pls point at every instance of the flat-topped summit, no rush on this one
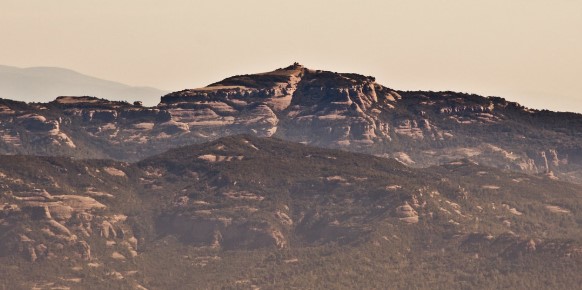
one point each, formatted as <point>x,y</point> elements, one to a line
<point>261,80</point>
<point>281,87</point>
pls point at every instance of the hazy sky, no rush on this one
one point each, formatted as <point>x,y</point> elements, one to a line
<point>527,51</point>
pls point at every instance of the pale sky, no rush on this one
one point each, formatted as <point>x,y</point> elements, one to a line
<point>526,51</point>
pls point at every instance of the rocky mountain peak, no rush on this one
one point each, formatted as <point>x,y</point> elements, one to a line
<point>328,109</point>
<point>281,87</point>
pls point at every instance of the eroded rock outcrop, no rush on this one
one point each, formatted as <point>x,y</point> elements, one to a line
<point>407,214</point>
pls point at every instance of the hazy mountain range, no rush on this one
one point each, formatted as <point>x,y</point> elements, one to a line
<point>294,178</point>
<point>46,83</point>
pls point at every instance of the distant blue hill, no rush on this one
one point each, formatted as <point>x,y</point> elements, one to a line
<point>42,84</point>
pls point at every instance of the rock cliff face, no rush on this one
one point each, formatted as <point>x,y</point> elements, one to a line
<point>334,110</point>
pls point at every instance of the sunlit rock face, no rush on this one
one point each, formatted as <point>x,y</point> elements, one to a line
<point>335,110</point>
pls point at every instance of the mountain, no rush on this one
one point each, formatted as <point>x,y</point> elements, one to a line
<point>47,83</point>
<point>334,110</point>
<point>245,212</point>
<point>295,178</point>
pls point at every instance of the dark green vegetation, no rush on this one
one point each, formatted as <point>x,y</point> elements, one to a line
<point>243,212</point>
